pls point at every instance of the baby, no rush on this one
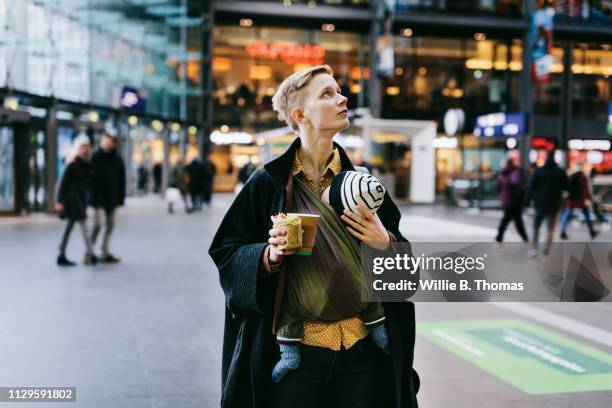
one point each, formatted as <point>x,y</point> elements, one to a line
<point>350,188</point>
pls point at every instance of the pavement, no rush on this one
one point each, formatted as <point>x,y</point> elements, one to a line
<point>147,332</point>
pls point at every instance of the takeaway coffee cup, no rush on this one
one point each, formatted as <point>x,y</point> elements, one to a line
<point>309,228</point>
<point>293,225</point>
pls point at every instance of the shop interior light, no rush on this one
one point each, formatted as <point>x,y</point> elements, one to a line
<point>312,4</point>
<point>260,72</point>
<point>224,138</point>
<point>399,71</point>
<point>287,3</point>
<point>270,91</point>
<point>511,143</point>
<point>224,128</point>
<point>11,103</point>
<point>589,144</point>
<point>595,157</point>
<point>328,28</point>
<point>220,64</point>
<point>444,143</point>
<point>478,74</point>
<point>64,115</point>
<point>422,71</point>
<point>176,127</point>
<point>36,112</point>
<point>300,67</point>
<point>246,22</point>
<point>480,36</point>
<point>94,117</point>
<point>393,90</point>
<point>192,130</point>
<point>355,88</point>
<point>406,32</point>
<point>133,120</point>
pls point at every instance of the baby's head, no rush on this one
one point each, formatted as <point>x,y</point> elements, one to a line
<point>350,188</point>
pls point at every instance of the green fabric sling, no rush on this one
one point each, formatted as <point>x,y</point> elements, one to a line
<point>329,285</point>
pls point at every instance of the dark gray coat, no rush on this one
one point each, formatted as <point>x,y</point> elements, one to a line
<point>249,348</point>
<point>73,190</point>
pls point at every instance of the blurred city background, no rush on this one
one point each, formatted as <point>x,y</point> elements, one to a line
<point>441,94</point>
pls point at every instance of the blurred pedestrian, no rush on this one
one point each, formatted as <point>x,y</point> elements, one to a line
<point>72,197</point>
<point>195,173</point>
<point>208,177</point>
<point>597,198</point>
<point>177,182</point>
<point>511,193</point>
<point>108,192</point>
<point>245,172</point>
<point>157,177</point>
<point>545,189</point>
<point>579,197</point>
<point>142,179</point>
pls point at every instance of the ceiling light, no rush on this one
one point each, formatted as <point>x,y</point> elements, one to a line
<point>406,32</point>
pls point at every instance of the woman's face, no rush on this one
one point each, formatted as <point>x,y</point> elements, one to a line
<point>325,106</point>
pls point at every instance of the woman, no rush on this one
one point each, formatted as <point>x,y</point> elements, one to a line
<point>262,283</point>
<point>511,192</point>
<point>579,197</point>
<point>72,198</point>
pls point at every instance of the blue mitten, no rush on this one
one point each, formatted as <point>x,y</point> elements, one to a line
<point>290,360</point>
<point>379,335</point>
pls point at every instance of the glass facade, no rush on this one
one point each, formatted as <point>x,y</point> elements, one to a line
<point>433,75</point>
<point>498,7</point>
<point>87,52</point>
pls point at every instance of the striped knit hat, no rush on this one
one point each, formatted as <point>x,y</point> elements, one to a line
<point>350,188</point>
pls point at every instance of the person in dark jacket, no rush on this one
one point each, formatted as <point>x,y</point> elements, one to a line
<point>511,195</point>
<point>197,176</point>
<point>545,189</point>
<point>256,275</point>
<point>579,197</point>
<point>71,202</point>
<point>108,191</point>
<point>208,176</point>
<point>157,177</point>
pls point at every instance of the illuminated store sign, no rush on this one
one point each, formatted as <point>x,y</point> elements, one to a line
<point>289,53</point>
<point>224,138</point>
<point>501,125</point>
<point>589,144</point>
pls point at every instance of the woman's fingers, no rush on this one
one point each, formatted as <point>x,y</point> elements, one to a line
<point>276,232</point>
<point>276,241</point>
<point>356,234</point>
<point>364,212</point>
<point>353,224</point>
<point>354,216</point>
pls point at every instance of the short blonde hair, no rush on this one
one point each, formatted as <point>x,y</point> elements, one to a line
<point>288,95</point>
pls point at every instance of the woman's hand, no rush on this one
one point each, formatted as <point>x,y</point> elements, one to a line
<point>58,207</point>
<point>367,228</point>
<point>277,238</point>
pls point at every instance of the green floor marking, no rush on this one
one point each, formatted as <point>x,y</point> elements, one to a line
<point>529,357</point>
